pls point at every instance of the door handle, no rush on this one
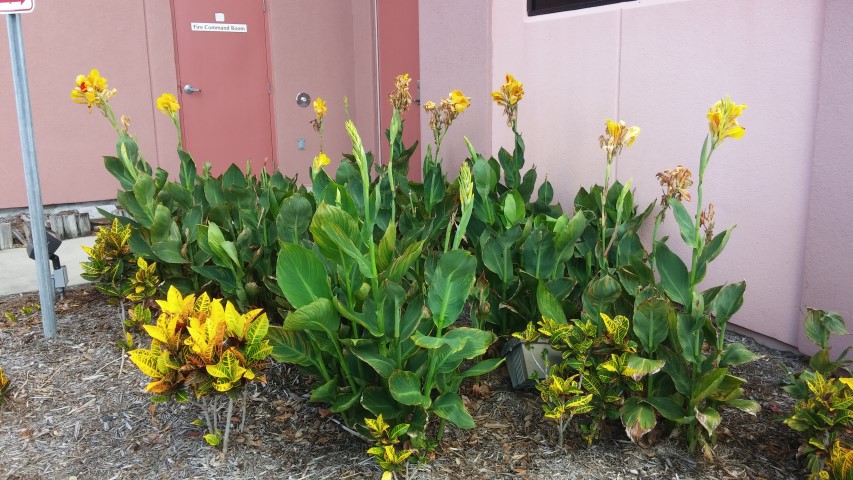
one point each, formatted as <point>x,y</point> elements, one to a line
<point>189,89</point>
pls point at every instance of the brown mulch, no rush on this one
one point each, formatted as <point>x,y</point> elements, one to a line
<point>77,410</point>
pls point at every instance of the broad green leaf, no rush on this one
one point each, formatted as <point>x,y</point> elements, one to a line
<point>345,244</point>
<point>222,249</point>
<point>405,387</point>
<point>294,217</point>
<point>474,343</point>
<point>708,384</point>
<point>727,302</point>
<point>676,369</point>
<point>667,408</point>
<point>548,304</point>
<point>539,253</point>
<point>686,224</point>
<point>325,393</point>
<point>331,215</point>
<point>673,274</point>
<point>708,418</point>
<point>223,277</point>
<point>640,367</point>
<point>367,351</point>
<point>689,331</point>
<point>301,275</point>
<point>379,402</point>
<point>163,228</point>
<point>345,401</point>
<point>118,169</point>
<point>319,315</point>
<point>820,324</point>
<point>400,265</point>
<point>482,367</point>
<point>736,354</point>
<point>638,418</point>
<point>651,322</point>
<point>450,286</point>
<point>387,247</point>
<point>169,251</point>
<point>749,406</point>
<point>143,192</point>
<point>449,406</point>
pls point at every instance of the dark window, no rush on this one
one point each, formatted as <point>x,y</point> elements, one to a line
<point>541,7</point>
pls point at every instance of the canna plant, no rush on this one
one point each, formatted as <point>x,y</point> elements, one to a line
<point>215,234</point>
<point>685,327</point>
<point>200,347</point>
<point>517,242</point>
<point>375,316</point>
<point>823,414</point>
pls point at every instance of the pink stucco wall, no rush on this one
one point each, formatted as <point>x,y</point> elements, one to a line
<point>62,40</point>
<point>660,65</point>
<point>828,266</point>
<point>455,49</point>
<point>323,48</point>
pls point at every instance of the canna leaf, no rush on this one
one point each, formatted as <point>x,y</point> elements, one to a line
<point>673,274</point>
<point>319,315</point>
<point>405,387</point>
<point>301,275</point>
<point>450,286</point>
<point>686,224</point>
<point>449,406</point>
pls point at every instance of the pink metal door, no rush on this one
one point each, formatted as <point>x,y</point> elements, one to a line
<point>223,75</point>
<point>397,22</point>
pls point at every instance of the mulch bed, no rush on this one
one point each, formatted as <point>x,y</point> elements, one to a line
<point>77,410</point>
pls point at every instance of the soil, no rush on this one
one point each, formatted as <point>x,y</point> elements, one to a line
<point>76,409</point>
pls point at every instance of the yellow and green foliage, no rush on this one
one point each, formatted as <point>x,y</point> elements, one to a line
<point>110,260</point>
<point>4,385</point>
<point>823,413</point>
<point>839,465</point>
<point>200,345</point>
<point>388,455</point>
<point>599,371</point>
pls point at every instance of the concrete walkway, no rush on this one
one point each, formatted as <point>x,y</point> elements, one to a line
<point>18,272</point>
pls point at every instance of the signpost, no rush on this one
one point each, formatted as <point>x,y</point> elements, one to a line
<point>12,9</point>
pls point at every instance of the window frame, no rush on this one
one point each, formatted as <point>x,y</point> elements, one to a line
<point>567,5</point>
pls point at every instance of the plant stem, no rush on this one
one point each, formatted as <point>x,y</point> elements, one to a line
<point>228,414</point>
<point>440,434</point>
<point>245,401</point>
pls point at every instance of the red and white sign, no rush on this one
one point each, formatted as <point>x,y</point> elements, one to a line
<point>16,6</point>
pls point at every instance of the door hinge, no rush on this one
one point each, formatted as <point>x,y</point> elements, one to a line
<point>265,5</point>
<point>269,88</point>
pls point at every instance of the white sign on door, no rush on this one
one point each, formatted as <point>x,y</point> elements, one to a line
<point>16,6</point>
<point>219,27</point>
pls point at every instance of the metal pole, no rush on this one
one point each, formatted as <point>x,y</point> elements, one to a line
<point>28,151</point>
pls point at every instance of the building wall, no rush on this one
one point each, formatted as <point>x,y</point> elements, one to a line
<point>62,40</point>
<point>660,64</point>
<point>455,49</point>
<point>828,266</point>
<point>322,47</point>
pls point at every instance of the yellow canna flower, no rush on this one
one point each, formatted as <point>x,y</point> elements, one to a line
<point>459,101</point>
<point>320,107</point>
<point>168,104</point>
<point>722,120</point>
<point>508,96</point>
<point>320,161</point>
<point>91,89</point>
<point>616,137</point>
